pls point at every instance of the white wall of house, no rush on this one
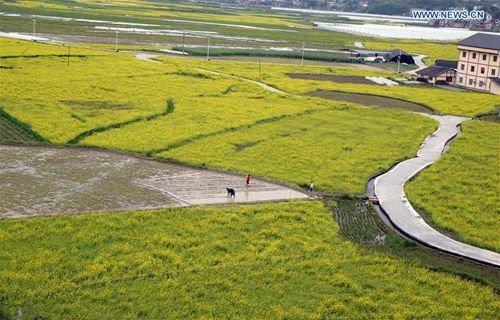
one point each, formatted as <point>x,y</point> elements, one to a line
<point>476,66</point>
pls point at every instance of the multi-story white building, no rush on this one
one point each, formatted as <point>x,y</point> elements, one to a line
<point>479,63</point>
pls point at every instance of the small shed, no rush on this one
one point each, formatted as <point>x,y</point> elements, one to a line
<point>437,75</point>
<point>401,56</point>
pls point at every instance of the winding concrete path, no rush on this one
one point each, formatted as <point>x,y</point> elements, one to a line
<point>389,189</point>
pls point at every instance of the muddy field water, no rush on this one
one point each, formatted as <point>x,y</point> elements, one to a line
<point>44,181</point>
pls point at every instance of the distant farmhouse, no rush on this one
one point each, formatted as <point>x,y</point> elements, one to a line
<point>477,68</point>
<point>443,72</point>
<point>479,63</point>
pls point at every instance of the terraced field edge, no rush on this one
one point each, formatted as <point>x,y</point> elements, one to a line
<point>13,130</point>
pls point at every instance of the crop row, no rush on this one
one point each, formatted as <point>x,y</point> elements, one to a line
<point>321,56</point>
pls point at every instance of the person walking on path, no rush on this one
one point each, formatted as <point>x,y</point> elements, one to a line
<point>311,186</point>
<point>247,179</point>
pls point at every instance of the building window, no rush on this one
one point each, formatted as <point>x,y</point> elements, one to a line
<point>462,66</point>
<point>464,54</point>
<point>495,58</point>
<point>471,82</point>
<point>472,68</point>
<point>430,78</point>
<point>493,72</point>
<point>473,55</point>
<point>481,84</point>
<point>485,57</point>
<point>461,80</point>
<point>482,70</point>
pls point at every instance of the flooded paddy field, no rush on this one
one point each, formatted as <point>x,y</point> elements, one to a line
<point>48,180</point>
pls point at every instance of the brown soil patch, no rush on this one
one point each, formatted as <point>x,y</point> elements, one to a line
<point>372,100</point>
<point>332,78</point>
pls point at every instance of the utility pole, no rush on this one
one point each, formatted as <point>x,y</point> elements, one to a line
<point>399,61</point>
<point>19,313</point>
<point>303,48</point>
<point>69,53</point>
<point>183,41</point>
<point>116,40</point>
<point>34,27</point>
<point>260,71</point>
<point>208,49</point>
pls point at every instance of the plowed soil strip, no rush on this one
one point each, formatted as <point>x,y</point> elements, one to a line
<point>367,99</point>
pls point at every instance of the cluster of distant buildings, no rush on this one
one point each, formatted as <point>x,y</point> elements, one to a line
<point>491,19</point>
<point>477,68</point>
<point>486,24</point>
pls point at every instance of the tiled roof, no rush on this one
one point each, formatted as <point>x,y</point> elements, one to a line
<point>446,63</point>
<point>482,40</point>
<point>433,71</point>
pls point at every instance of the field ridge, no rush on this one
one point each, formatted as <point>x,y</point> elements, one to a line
<point>88,133</point>
<point>14,131</point>
<point>198,137</point>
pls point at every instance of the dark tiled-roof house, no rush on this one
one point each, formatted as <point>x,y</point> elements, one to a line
<point>437,75</point>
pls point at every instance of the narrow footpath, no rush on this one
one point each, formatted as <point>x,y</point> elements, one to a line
<point>419,62</point>
<point>149,57</point>
<point>389,189</point>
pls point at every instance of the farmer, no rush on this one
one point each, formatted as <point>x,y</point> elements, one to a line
<point>247,179</point>
<point>311,186</point>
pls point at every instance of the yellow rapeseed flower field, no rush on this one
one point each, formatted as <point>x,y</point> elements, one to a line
<point>341,146</point>
<point>262,262</point>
